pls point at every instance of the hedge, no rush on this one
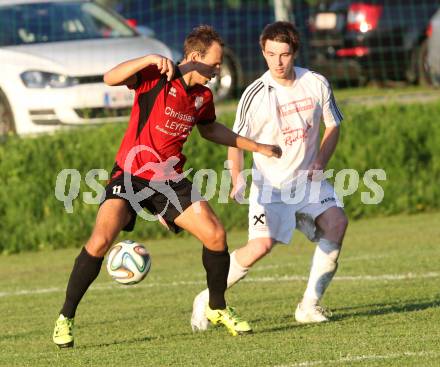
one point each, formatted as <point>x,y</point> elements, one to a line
<point>403,140</point>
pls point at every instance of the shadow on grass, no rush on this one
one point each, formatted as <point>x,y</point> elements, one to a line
<point>25,334</point>
<point>118,342</point>
<point>376,309</point>
<point>287,322</point>
<point>283,323</point>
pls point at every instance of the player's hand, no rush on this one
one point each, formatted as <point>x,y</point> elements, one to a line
<point>164,65</point>
<point>316,171</point>
<point>238,189</point>
<point>270,150</point>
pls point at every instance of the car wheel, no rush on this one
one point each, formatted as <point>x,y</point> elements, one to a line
<point>418,70</point>
<point>224,85</point>
<point>423,65</point>
<point>7,125</point>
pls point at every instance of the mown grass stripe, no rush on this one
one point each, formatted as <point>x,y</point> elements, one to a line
<point>281,278</point>
<point>362,358</point>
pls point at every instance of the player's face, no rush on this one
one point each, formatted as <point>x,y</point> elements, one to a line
<point>279,58</point>
<point>208,66</point>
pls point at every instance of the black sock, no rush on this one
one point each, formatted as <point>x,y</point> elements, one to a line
<point>216,264</point>
<point>84,272</point>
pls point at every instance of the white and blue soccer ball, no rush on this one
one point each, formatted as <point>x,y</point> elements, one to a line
<point>128,262</point>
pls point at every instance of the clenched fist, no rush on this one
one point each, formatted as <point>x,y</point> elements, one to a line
<point>270,150</point>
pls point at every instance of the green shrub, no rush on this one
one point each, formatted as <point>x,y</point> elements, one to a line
<point>402,140</point>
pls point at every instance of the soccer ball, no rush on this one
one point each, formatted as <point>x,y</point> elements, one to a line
<point>128,262</point>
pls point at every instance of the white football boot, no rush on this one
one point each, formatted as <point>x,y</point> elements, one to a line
<point>199,321</point>
<point>310,314</point>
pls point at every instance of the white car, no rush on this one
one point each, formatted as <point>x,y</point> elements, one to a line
<point>53,55</point>
<point>434,49</point>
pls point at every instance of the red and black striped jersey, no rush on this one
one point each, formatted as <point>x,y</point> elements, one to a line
<point>162,117</point>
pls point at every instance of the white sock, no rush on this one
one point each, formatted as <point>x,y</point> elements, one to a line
<point>236,271</point>
<point>324,266</point>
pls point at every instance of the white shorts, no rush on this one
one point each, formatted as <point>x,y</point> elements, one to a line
<point>277,218</point>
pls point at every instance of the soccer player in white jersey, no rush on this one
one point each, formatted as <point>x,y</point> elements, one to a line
<point>285,106</point>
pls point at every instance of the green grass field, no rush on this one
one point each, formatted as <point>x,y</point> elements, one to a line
<point>385,302</point>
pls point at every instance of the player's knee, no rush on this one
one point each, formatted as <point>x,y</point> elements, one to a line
<point>98,245</point>
<point>340,224</point>
<point>216,238</point>
<point>335,230</point>
<point>262,247</point>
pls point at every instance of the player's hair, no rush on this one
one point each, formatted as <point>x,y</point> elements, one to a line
<point>200,39</point>
<point>284,32</point>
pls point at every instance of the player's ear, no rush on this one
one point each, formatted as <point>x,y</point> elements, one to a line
<point>194,56</point>
<point>262,45</point>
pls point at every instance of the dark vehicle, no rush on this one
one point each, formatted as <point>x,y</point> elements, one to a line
<point>433,34</point>
<point>239,22</point>
<point>357,41</point>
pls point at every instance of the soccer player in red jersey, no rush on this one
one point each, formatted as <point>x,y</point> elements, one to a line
<point>169,101</point>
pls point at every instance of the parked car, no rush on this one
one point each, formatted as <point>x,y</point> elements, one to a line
<point>53,55</point>
<point>371,39</point>
<point>239,22</point>
<point>433,34</point>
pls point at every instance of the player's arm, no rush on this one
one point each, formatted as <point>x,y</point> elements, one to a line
<point>236,165</point>
<point>125,73</point>
<point>220,134</point>
<point>327,147</point>
<point>332,118</point>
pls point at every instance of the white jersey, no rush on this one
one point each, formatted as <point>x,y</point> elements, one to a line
<point>270,113</point>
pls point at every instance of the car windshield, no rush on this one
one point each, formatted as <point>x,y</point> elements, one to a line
<point>58,21</point>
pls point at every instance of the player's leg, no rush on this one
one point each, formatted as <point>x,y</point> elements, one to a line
<point>112,216</point>
<point>268,224</point>
<point>332,223</point>
<point>243,258</point>
<point>253,251</point>
<point>201,221</point>
<point>265,220</point>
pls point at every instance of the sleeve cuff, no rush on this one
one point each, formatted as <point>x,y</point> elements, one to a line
<point>206,122</point>
<point>138,81</point>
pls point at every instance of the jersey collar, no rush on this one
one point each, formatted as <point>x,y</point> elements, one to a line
<point>269,82</point>
<point>178,75</point>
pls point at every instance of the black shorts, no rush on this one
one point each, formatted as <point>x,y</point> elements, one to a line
<point>166,200</point>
